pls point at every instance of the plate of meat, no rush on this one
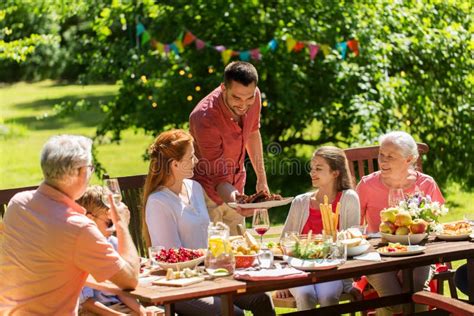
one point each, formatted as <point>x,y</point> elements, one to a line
<point>261,199</point>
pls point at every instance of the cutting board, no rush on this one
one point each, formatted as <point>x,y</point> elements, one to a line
<point>178,282</point>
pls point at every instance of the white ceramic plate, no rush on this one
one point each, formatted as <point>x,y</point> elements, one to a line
<point>358,250</point>
<point>403,239</point>
<point>181,265</point>
<point>312,264</point>
<point>267,204</point>
<point>452,237</point>
<point>414,251</point>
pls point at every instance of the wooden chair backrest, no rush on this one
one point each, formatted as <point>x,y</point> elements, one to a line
<point>7,194</point>
<point>363,160</point>
<point>132,192</point>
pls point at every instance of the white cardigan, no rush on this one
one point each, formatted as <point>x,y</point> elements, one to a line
<point>299,211</point>
<point>349,216</point>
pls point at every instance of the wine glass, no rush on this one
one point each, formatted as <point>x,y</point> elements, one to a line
<point>395,196</point>
<point>261,222</point>
<point>111,186</point>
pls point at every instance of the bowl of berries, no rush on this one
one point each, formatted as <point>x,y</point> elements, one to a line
<point>180,258</point>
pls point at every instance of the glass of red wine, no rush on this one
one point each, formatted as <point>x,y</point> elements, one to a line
<point>261,222</point>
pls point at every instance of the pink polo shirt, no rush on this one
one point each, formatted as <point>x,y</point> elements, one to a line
<point>49,249</point>
<point>373,196</point>
<point>220,142</point>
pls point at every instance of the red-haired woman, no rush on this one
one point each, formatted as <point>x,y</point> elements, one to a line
<point>175,215</point>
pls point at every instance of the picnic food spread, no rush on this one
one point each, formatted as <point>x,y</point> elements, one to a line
<point>262,196</point>
<point>457,228</point>
<point>309,248</point>
<point>393,247</point>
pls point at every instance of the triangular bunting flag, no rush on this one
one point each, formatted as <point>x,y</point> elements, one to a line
<point>255,53</point>
<point>167,48</point>
<point>160,47</point>
<point>326,49</point>
<point>220,48</point>
<point>140,29</point>
<point>174,48</point>
<point>264,49</point>
<point>273,44</point>
<point>179,45</point>
<point>342,48</point>
<point>298,46</point>
<point>245,56</point>
<point>188,38</point>
<point>353,46</point>
<point>153,43</point>
<point>200,44</point>
<point>313,51</point>
<point>145,37</point>
<point>290,43</point>
<point>226,54</point>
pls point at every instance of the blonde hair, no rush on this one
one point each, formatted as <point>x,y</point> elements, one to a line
<point>92,201</point>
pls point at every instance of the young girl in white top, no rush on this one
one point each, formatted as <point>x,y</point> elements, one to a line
<point>175,215</point>
<point>331,176</point>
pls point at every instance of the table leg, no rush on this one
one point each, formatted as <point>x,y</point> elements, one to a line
<point>169,309</point>
<point>470,278</point>
<point>407,277</point>
<point>227,305</point>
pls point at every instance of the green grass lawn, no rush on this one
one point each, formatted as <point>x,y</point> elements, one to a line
<point>26,122</point>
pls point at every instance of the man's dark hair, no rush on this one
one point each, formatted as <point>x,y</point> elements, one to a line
<point>240,71</point>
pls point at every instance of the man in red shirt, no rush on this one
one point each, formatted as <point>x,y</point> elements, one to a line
<point>225,126</point>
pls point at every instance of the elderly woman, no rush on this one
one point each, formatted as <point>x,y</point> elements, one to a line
<point>50,246</point>
<point>397,160</point>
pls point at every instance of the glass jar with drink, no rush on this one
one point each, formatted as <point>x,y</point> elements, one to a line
<point>219,255</point>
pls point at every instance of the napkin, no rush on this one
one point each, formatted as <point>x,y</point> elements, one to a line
<point>269,274</point>
<point>370,256</point>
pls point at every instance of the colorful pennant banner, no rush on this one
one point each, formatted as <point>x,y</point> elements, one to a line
<point>292,45</point>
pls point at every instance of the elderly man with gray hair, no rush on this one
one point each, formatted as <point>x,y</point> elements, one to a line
<point>50,246</point>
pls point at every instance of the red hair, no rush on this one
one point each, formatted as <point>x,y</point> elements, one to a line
<point>168,146</point>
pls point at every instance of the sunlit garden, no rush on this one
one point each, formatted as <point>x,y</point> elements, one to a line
<point>330,73</point>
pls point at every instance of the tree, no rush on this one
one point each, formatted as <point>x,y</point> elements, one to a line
<point>414,73</point>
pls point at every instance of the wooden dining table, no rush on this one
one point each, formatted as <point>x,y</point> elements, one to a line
<point>227,288</point>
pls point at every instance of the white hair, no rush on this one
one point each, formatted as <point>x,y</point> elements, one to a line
<point>62,155</point>
<point>402,140</point>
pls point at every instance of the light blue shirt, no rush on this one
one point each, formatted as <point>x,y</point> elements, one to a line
<point>172,223</point>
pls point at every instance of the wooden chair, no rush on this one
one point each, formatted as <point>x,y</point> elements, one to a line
<point>132,192</point>
<point>363,161</point>
<point>450,305</point>
<point>7,194</point>
<point>290,302</point>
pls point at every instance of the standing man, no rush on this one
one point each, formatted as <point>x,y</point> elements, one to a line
<point>225,126</point>
<point>50,246</point>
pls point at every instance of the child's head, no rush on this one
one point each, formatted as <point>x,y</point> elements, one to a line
<point>329,166</point>
<point>96,209</point>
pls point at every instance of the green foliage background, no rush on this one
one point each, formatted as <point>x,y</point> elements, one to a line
<point>414,72</point>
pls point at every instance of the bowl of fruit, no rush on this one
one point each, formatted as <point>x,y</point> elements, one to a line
<point>180,258</point>
<point>244,261</point>
<point>245,251</point>
<point>398,227</point>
